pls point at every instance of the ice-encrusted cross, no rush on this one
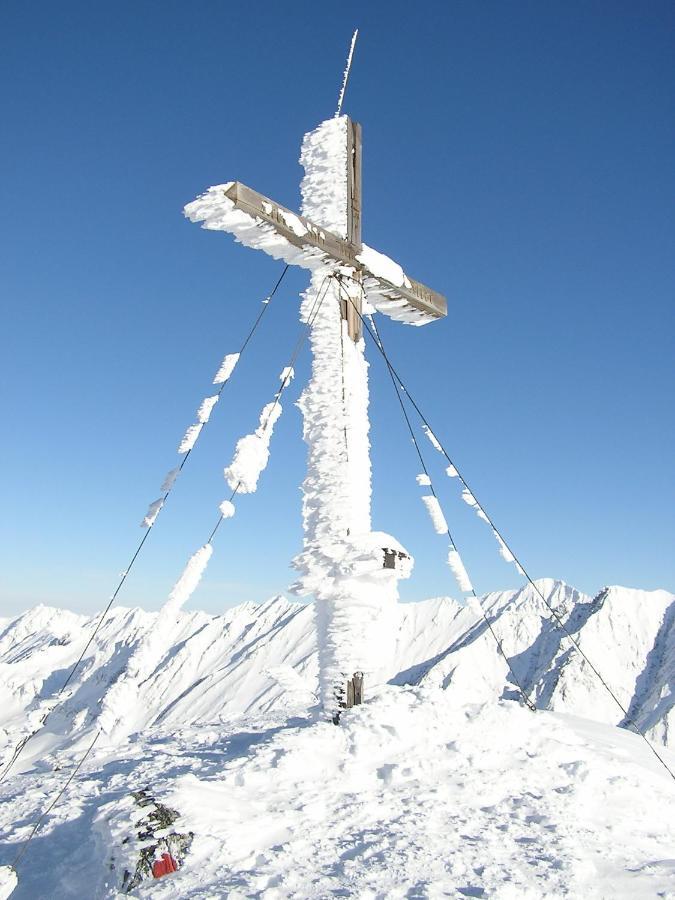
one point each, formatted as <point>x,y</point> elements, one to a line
<point>261,223</point>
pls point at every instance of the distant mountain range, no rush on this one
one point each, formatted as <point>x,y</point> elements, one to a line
<point>256,658</point>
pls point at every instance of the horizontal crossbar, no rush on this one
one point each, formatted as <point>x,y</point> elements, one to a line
<point>302,233</point>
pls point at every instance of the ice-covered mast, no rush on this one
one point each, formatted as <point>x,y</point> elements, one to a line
<point>351,570</point>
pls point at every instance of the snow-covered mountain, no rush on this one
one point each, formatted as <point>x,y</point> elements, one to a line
<point>438,786</point>
<point>255,659</point>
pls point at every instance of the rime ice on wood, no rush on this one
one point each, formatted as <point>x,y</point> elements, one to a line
<point>352,571</point>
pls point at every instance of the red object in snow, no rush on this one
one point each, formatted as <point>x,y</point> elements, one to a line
<point>164,866</point>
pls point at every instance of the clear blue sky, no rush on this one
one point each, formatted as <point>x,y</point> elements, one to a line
<point>518,157</point>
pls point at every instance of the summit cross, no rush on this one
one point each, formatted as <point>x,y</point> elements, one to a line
<point>351,571</point>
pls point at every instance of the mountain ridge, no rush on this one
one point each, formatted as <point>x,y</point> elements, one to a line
<point>258,658</point>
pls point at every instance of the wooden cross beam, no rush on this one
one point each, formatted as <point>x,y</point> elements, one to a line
<point>386,286</point>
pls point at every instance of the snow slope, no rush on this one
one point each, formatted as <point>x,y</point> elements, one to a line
<point>437,786</point>
<point>414,795</point>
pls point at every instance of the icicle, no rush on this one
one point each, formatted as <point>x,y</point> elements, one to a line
<point>458,570</point>
<point>423,480</point>
<point>169,479</point>
<point>186,585</point>
<point>152,513</point>
<point>436,514</point>
<point>432,437</point>
<point>204,411</point>
<point>252,453</point>
<point>288,374</point>
<point>226,368</point>
<point>226,509</point>
<point>190,438</point>
<point>451,471</point>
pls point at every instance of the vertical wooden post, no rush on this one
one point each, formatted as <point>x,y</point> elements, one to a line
<point>353,221</point>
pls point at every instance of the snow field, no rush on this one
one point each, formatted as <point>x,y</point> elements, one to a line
<point>414,795</point>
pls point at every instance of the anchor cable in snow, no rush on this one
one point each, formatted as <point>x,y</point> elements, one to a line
<point>51,806</point>
<point>316,306</point>
<point>453,545</point>
<point>123,577</point>
<point>558,621</point>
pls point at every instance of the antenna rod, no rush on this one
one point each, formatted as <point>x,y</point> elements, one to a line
<point>345,77</point>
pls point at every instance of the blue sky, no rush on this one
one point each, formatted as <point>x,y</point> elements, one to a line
<point>518,157</point>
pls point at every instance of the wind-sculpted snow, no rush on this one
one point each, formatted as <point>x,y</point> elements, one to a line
<point>213,668</point>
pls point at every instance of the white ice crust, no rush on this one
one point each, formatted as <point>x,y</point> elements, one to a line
<point>435,513</point>
<point>205,409</point>
<point>226,368</point>
<point>190,438</point>
<point>458,570</point>
<point>227,509</point>
<point>253,452</point>
<point>152,513</point>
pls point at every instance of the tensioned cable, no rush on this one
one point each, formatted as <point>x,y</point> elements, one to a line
<point>101,616</point>
<point>627,718</point>
<point>316,306</point>
<point>453,543</point>
<point>51,806</point>
<point>314,311</point>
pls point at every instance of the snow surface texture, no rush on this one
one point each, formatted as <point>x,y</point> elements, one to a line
<point>342,563</point>
<point>8,881</point>
<point>416,795</point>
<point>252,452</point>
